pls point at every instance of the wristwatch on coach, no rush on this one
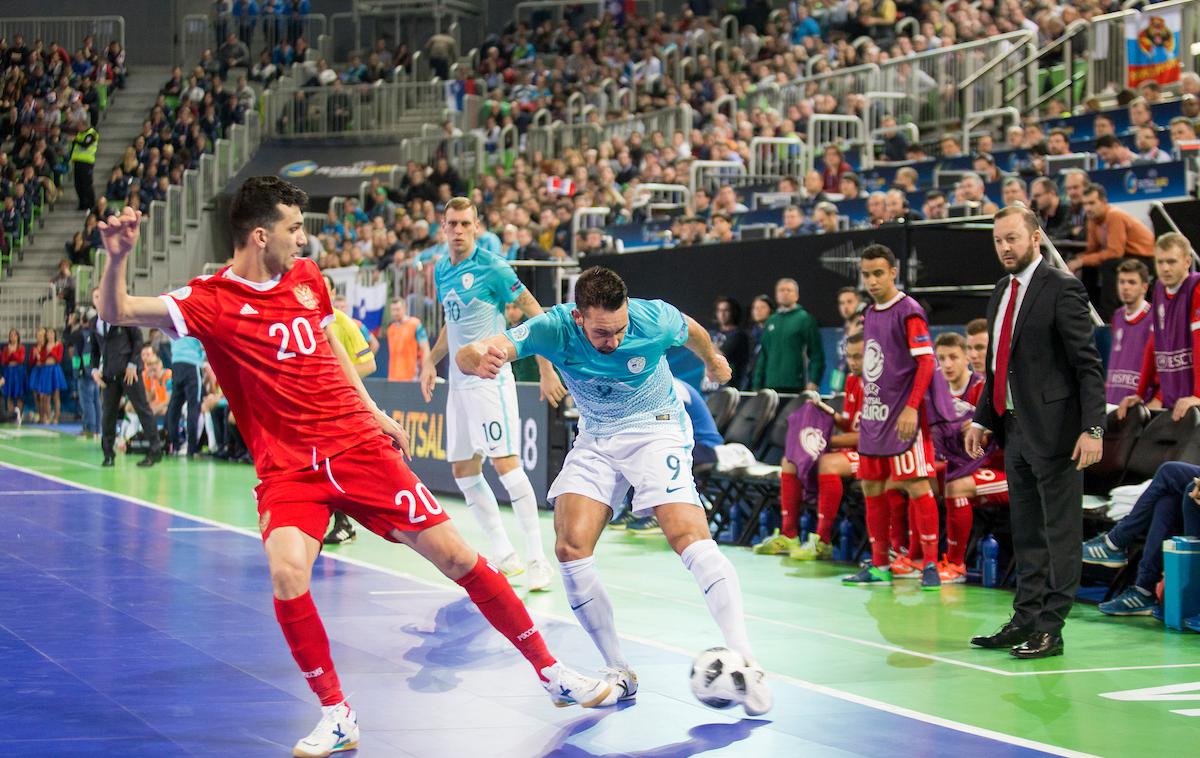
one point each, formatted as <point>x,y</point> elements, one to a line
<point>1095,432</point>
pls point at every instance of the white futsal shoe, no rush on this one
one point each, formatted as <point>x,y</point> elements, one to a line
<point>511,565</point>
<point>759,698</point>
<point>568,687</point>
<point>336,731</point>
<point>624,684</point>
<point>540,575</point>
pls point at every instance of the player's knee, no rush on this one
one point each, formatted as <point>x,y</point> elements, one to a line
<point>569,548</point>
<point>463,469</point>
<point>506,465</point>
<point>289,578</point>
<point>681,541</point>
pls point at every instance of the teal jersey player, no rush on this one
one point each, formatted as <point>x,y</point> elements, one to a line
<point>629,388</point>
<point>473,294</point>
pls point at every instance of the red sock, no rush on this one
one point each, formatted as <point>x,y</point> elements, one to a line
<point>791,497</point>
<point>494,597</point>
<point>959,516</point>
<point>305,635</point>
<point>914,534</point>
<point>925,526</point>
<point>829,499</point>
<point>898,507</point>
<point>878,518</point>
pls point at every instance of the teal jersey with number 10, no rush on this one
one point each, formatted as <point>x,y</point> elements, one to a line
<point>473,295</point>
<point>627,389</point>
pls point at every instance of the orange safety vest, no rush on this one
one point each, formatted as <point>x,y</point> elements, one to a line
<point>403,351</point>
<point>156,390</point>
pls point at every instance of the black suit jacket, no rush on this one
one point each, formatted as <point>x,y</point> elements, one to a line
<point>1055,374</point>
<point>119,347</point>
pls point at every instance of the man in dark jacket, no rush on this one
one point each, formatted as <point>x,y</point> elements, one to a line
<point>119,373</point>
<point>791,358</point>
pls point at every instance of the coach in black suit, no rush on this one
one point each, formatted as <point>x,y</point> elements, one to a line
<point>1049,418</point>
<point>120,373</point>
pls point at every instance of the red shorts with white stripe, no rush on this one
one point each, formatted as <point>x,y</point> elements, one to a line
<point>370,483</point>
<point>991,485</point>
<point>915,463</point>
<point>851,457</point>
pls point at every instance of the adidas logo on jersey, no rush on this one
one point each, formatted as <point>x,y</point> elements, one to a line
<point>247,311</point>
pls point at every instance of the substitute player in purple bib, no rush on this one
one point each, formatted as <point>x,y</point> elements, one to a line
<point>1131,326</point>
<point>894,443</point>
<point>633,431</point>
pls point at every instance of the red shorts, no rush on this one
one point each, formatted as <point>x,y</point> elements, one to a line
<point>991,485</point>
<point>851,457</point>
<point>914,463</point>
<point>370,483</point>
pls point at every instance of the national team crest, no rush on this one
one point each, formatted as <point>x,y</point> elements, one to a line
<point>636,364</point>
<point>468,280</point>
<point>305,296</point>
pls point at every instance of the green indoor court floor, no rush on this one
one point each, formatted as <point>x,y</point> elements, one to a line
<point>1123,688</point>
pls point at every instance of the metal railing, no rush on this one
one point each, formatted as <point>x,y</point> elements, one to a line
<point>657,198</point>
<point>350,110</point>
<point>825,129</point>
<point>1106,53</point>
<point>838,83</point>
<point>466,153</point>
<point>1007,80</point>
<point>29,306</point>
<point>200,32</point>
<point>973,119</point>
<point>666,120</point>
<point>67,31</point>
<point>412,22</point>
<point>931,78</point>
<point>778,156</point>
<point>711,175</point>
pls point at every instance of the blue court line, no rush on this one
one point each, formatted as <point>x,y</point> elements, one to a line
<point>122,637</point>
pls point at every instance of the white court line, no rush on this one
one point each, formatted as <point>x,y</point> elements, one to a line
<point>194,529</point>
<point>42,492</point>
<point>43,456</point>
<point>800,683</point>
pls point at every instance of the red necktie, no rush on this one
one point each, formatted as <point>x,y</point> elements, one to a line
<point>1000,377</point>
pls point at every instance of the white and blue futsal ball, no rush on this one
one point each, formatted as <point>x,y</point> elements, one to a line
<point>718,679</point>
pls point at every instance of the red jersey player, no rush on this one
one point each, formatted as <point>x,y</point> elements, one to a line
<point>318,440</point>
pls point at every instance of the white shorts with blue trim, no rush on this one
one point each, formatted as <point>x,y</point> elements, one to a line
<point>655,461</point>
<point>483,420</point>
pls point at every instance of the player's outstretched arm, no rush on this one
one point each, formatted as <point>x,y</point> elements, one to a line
<point>701,344</point>
<point>552,389</point>
<point>485,358</point>
<point>116,306</point>
<point>429,361</point>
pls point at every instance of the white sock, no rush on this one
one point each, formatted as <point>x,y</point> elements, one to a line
<point>722,592</point>
<point>525,506</point>
<point>482,503</point>
<point>592,607</point>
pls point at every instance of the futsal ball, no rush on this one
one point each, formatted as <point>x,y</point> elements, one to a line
<point>717,677</point>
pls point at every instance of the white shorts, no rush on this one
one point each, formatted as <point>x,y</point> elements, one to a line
<point>656,462</point>
<point>483,420</point>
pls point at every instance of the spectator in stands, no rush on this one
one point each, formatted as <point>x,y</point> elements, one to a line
<point>825,215</point>
<point>233,54</point>
<point>1158,514</point>
<point>1103,126</point>
<point>1012,191</point>
<point>729,338</point>
<point>761,308</point>
<point>1014,137</point>
<point>1139,114</point>
<point>441,49</point>
<point>877,213</point>
<point>895,144</point>
<point>1075,181</point>
<point>1148,149</point>
<point>726,202</point>
<point>1112,153</point>
<point>897,207</point>
<point>906,179</point>
<point>246,14</point>
<point>721,229</point>
<point>936,205</point>
<point>1189,107</point>
<point>970,190</point>
<point>814,190</point>
<point>985,165</point>
<point>977,344</point>
<point>1059,142</point>
<point>408,344</point>
<point>794,223</point>
<point>951,147</point>
<point>1131,326</point>
<point>835,166</point>
<point>1189,84</point>
<point>850,186</point>
<point>1182,129</point>
<point>83,158</point>
<point>1112,234</point>
<point>1168,362</point>
<point>1053,213</point>
<point>791,358</point>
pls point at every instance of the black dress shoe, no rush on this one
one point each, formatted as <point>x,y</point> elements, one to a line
<point>149,460</point>
<point>1039,645</point>
<point>109,461</point>
<point>1010,634</point>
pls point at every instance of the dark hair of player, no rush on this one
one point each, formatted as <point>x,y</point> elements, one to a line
<point>257,202</point>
